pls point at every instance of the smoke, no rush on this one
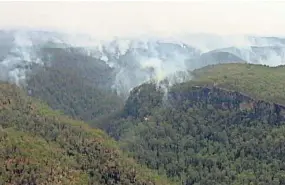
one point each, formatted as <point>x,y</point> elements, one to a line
<point>142,60</point>
<point>276,57</point>
<point>18,57</point>
<point>22,54</point>
<point>139,60</point>
<point>136,61</point>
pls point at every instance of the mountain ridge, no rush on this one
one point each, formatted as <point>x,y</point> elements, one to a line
<point>134,60</point>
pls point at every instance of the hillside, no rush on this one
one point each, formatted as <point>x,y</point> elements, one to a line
<point>41,146</point>
<point>258,81</point>
<point>77,84</point>
<point>223,127</point>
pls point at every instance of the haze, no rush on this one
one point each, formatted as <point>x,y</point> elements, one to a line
<point>104,19</point>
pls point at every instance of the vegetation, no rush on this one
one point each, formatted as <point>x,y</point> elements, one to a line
<point>258,81</point>
<point>27,159</point>
<point>206,134</point>
<point>40,146</point>
<point>225,126</point>
<point>74,83</point>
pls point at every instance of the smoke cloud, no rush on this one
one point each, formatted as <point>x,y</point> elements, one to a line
<point>138,60</point>
<point>143,41</point>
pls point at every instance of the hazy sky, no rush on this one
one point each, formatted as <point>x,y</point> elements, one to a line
<point>163,18</point>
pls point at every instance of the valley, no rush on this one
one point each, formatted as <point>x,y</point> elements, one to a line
<point>140,112</point>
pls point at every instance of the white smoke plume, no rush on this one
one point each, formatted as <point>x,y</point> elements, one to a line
<point>138,60</point>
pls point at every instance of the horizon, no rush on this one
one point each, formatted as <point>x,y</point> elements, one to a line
<point>165,19</point>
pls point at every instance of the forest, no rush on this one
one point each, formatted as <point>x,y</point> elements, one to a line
<point>224,126</point>
<point>42,146</point>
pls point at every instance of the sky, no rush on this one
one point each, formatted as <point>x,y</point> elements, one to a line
<point>127,18</point>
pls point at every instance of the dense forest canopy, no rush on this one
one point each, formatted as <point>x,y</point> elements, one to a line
<point>225,126</point>
<point>41,146</point>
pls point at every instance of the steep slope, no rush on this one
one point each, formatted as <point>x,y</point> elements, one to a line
<point>40,146</point>
<point>258,81</point>
<point>27,159</point>
<point>220,128</point>
<point>74,83</point>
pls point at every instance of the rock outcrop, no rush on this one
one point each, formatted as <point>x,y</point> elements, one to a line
<point>225,99</point>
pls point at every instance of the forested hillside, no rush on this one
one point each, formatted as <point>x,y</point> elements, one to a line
<point>41,146</point>
<point>223,127</point>
<point>258,81</point>
<point>77,84</point>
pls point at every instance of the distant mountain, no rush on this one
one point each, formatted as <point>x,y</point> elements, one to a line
<point>271,55</point>
<point>131,60</point>
<point>214,57</point>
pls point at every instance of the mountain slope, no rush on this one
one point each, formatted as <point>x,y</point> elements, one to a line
<point>258,81</point>
<point>74,83</point>
<point>124,63</point>
<point>29,159</point>
<point>204,132</point>
<point>40,146</point>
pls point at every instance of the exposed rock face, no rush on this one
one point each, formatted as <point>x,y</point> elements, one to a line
<point>246,106</point>
<point>144,99</point>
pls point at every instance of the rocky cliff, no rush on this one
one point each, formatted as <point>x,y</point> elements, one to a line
<point>219,98</point>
